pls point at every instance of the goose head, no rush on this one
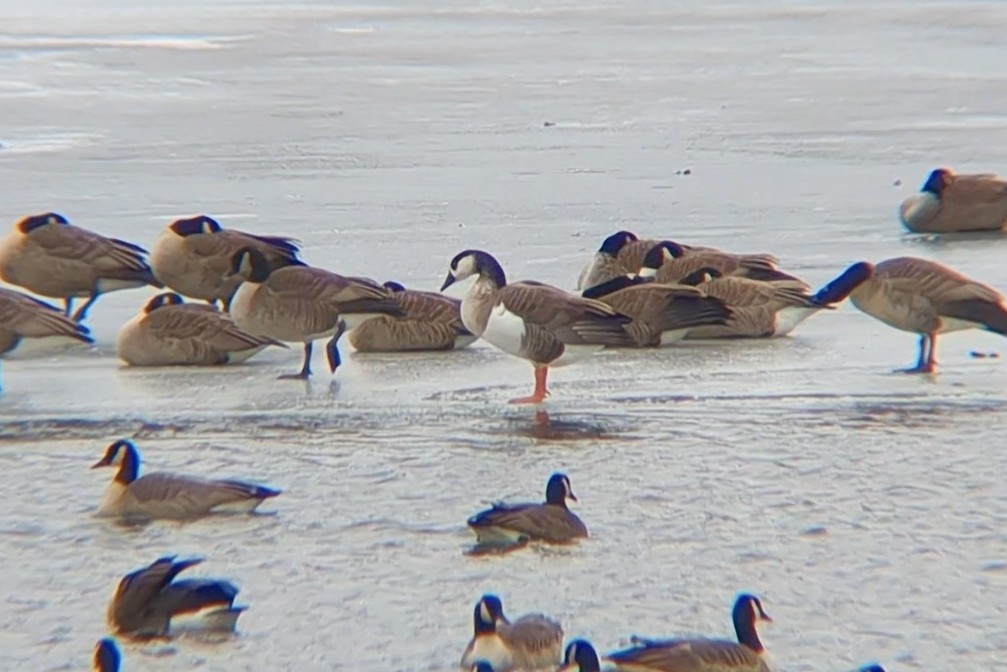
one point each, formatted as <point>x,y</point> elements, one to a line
<point>747,613</point>
<point>251,265</point>
<point>482,666</point>
<point>700,276</point>
<point>106,656</point>
<point>558,490</point>
<point>165,299</point>
<point>122,454</point>
<point>845,284</point>
<point>474,262</point>
<point>937,180</point>
<point>488,612</point>
<point>393,286</point>
<point>195,225</point>
<point>29,224</point>
<point>659,254</point>
<point>580,656</point>
<point>616,242</point>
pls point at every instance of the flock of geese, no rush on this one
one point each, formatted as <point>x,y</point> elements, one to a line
<point>249,292</point>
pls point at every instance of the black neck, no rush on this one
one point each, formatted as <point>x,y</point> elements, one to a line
<point>744,627</point>
<point>490,269</point>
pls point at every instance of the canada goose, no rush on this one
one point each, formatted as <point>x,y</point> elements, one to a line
<point>170,332</point>
<point>661,314</point>
<point>432,322</point>
<point>148,600</point>
<point>538,322</point>
<point>47,255</point>
<point>22,316</point>
<point>302,304</point>
<point>605,265</point>
<point>106,656</point>
<point>759,309</point>
<point>193,257</point>
<point>702,655</point>
<point>517,523</point>
<point>580,656</point>
<point>952,203</point>
<point>532,642</point>
<point>920,296</point>
<point>668,262</point>
<point>164,495</point>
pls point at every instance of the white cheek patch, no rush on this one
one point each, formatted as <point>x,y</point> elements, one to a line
<point>648,272</point>
<point>484,613</point>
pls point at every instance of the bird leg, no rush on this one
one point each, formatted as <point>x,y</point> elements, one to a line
<point>81,313</point>
<point>332,347</point>
<point>541,392</point>
<point>68,306</point>
<point>925,363</point>
<point>305,371</point>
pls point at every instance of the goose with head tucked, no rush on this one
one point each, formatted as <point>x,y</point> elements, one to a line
<point>532,642</point>
<point>170,496</point>
<point>540,323</point>
<point>194,255</point>
<point>23,316</point>
<point>702,655</point>
<point>149,602</point>
<point>170,332</point>
<point>920,296</point>
<point>299,303</point>
<point>106,656</point>
<point>759,309</point>
<point>432,322</point>
<point>669,263</point>
<point>605,264</point>
<point>954,203</point>
<point>661,314</point>
<point>49,256</point>
<point>549,521</point>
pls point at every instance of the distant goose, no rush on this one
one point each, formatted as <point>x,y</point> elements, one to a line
<point>759,309</point>
<point>605,264</point>
<point>106,656</point>
<point>532,642</point>
<point>516,523</point>
<point>953,203</point>
<point>170,332</point>
<point>298,303</point>
<point>920,296</point>
<point>194,255</point>
<point>163,495</point>
<point>432,321</point>
<point>150,603</point>
<point>661,314</point>
<point>22,316</point>
<point>669,262</point>
<point>47,255</point>
<point>702,655</point>
<point>540,323</point>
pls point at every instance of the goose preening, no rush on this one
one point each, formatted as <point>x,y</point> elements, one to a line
<point>702,655</point>
<point>953,203</point>
<point>149,602</point>
<point>194,255</point>
<point>106,656</point>
<point>532,642</point>
<point>668,263</point>
<point>759,309</point>
<point>661,314</point>
<point>540,323</point>
<point>47,255</point>
<point>549,521</point>
<point>432,321</point>
<point>22,316</point>
<point>169,332</point>
<point>170,496</point>
<point>922,297</point>
<point>299,303</point>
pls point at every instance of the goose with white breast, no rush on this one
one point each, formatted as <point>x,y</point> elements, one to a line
<point>532,642</point>
<point>950,202</point>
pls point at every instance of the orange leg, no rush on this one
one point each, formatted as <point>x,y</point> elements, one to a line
<point>540,393</point>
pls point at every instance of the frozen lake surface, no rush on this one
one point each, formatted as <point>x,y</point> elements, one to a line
<point>868,509</point>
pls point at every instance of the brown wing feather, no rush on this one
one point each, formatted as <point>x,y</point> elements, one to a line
<point>935,282</point>
<point>632,254</point>
<point>84,246</point>
<point>187,495</point>
<point>26,316</point>
<point>534,640</point>
<point>745,292</point>
<point>979,188</point>
<point>393,334</point>
<point>701,655</point>
<point>554,317</point>
<point>537,521</point>
<point>204,326</point>
<point>431,306</point>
